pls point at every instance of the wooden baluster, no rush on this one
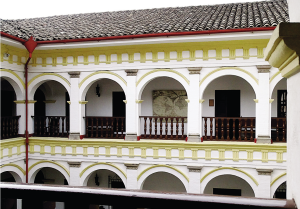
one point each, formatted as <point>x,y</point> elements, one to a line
<point>251,129</point>
<point>68,124</point>
<point>222,128</point>
<point>7,124</point>
<point>112,128</point>
<point>217,128</point>
<point>246,126</point>
<point>228,138</point>
<point>233,131</point>
<point>171,127</point>
<point>35,126</point>
<point>86,126</point>
<point>63,126</point>
<point>101,126</point>
<point>145,127</point>
<point>177,127</point>
<point>211,128</point>
<point>166,127</point>
<point>49,125</point>
<point>92,127</point>
<point>182,127</point>
<point>283,129</point>
<point>97,128</point>
<point>117,127</point>
<point>277,129</point>
<point>10,126</point>
<point>155,128</point>
<point>150,127</point>
<point>240,129</point>
<point>205,128</point>
<point>122,128</point>
<point>58,124</point>
<point>161,129</point>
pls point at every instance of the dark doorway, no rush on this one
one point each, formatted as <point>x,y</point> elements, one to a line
<point>281,103</point>
<point>231,192</point>
<point>39,106</point>
<point>281,191</point>
<point>8,96</point>
<point>227,103</point>
<point>119,109</point>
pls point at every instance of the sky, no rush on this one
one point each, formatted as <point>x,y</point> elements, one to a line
<point>21,9</point>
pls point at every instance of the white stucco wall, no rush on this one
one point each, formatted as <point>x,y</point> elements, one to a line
<point>230,83</point>
<point>162,181</point>
<point>101,106</point>
<point>281,85</point>
<point>229,182</point>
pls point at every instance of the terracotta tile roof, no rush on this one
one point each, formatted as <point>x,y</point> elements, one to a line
<point>149,21</point>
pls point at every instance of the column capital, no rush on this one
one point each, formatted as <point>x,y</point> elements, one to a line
<point>74,164</point>
<point>131,72</point>
<point>195,70</point>
<point>196,169</point>
<point>264,171</point>
<point>131,166</point>
<point>74,74</point>
<point>263,68</point>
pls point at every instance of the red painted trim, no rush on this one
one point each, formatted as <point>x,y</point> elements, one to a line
<point>138,138</point>
<point>145,35</point>
<point>13,37</point>
<point>81,136</point>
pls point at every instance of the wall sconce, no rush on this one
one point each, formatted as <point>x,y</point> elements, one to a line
<point>97,180</point>
<point>98,90</point>
<point>6,55</point>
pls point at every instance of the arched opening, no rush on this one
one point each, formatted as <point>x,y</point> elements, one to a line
<point>51,110</point>
<point>9,120</point>
<point>105,110</point>
<point>229,110</point>
<point>162,181</point>
<point>281,191</point>
<point>229,185</point>
<point>7,203</point>
<point>278,111</point>
<point>164,109</point>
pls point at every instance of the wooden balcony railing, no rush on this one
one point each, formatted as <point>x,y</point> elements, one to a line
<point>51,126</point>
<point>9,126</point>
<point>229,129</point>
<point>155,127</point>
<point>278,129</point>
<point>105,127</point>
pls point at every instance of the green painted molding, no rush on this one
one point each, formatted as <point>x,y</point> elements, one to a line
<point>109,164</point>
<point>278,177</point>
<point>15,74</point>
<point>14,165</point>
<point>102,72</point>
<point>45,74</point>
<point>49,161</point>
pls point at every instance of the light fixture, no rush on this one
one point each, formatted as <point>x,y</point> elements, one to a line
<point>6,55</point>
<point>97,180</point>
<point>98,90</point>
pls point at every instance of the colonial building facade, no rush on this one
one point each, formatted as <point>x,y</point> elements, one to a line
<point>187,105</point>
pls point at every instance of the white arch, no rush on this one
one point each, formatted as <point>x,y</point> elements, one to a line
<point>18,86</point>
<point>143,83</point>
<point>34,170</point>
<point>224,72</point>
<point>228,172</point>
<point>153,170</point>
<point>88,82</point>
<point>15,172</point>
<point>274,82</point>
<point>39,80</point>
<point>88,172</point>
<point>277,183</point>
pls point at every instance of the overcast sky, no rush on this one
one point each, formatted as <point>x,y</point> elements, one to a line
<point>19,9</point>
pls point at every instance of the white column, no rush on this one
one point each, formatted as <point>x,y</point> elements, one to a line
<point>194,176</point>
<point>193,106</point>
<point>263,118</point>
<point>132,176</point>
<point>131,106</point>
<point>75,110</point>
<point>20,106</point>
<point>74,173</point>
<point>30,113</point>
<point>264,183</point>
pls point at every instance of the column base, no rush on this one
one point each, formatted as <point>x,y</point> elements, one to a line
<point>263,140</point>
<point>74,136</point>
<point>194,138</point>
<point>131,137</point>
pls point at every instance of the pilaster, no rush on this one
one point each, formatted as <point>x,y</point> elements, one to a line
<point>194,176</point>
<point>263,106</point>
<point>132,119</point>
<point>75,110</point>
<point>264,183</point>
<point>193,132</point>
<point>74,173</point>
<point>132,175</point>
